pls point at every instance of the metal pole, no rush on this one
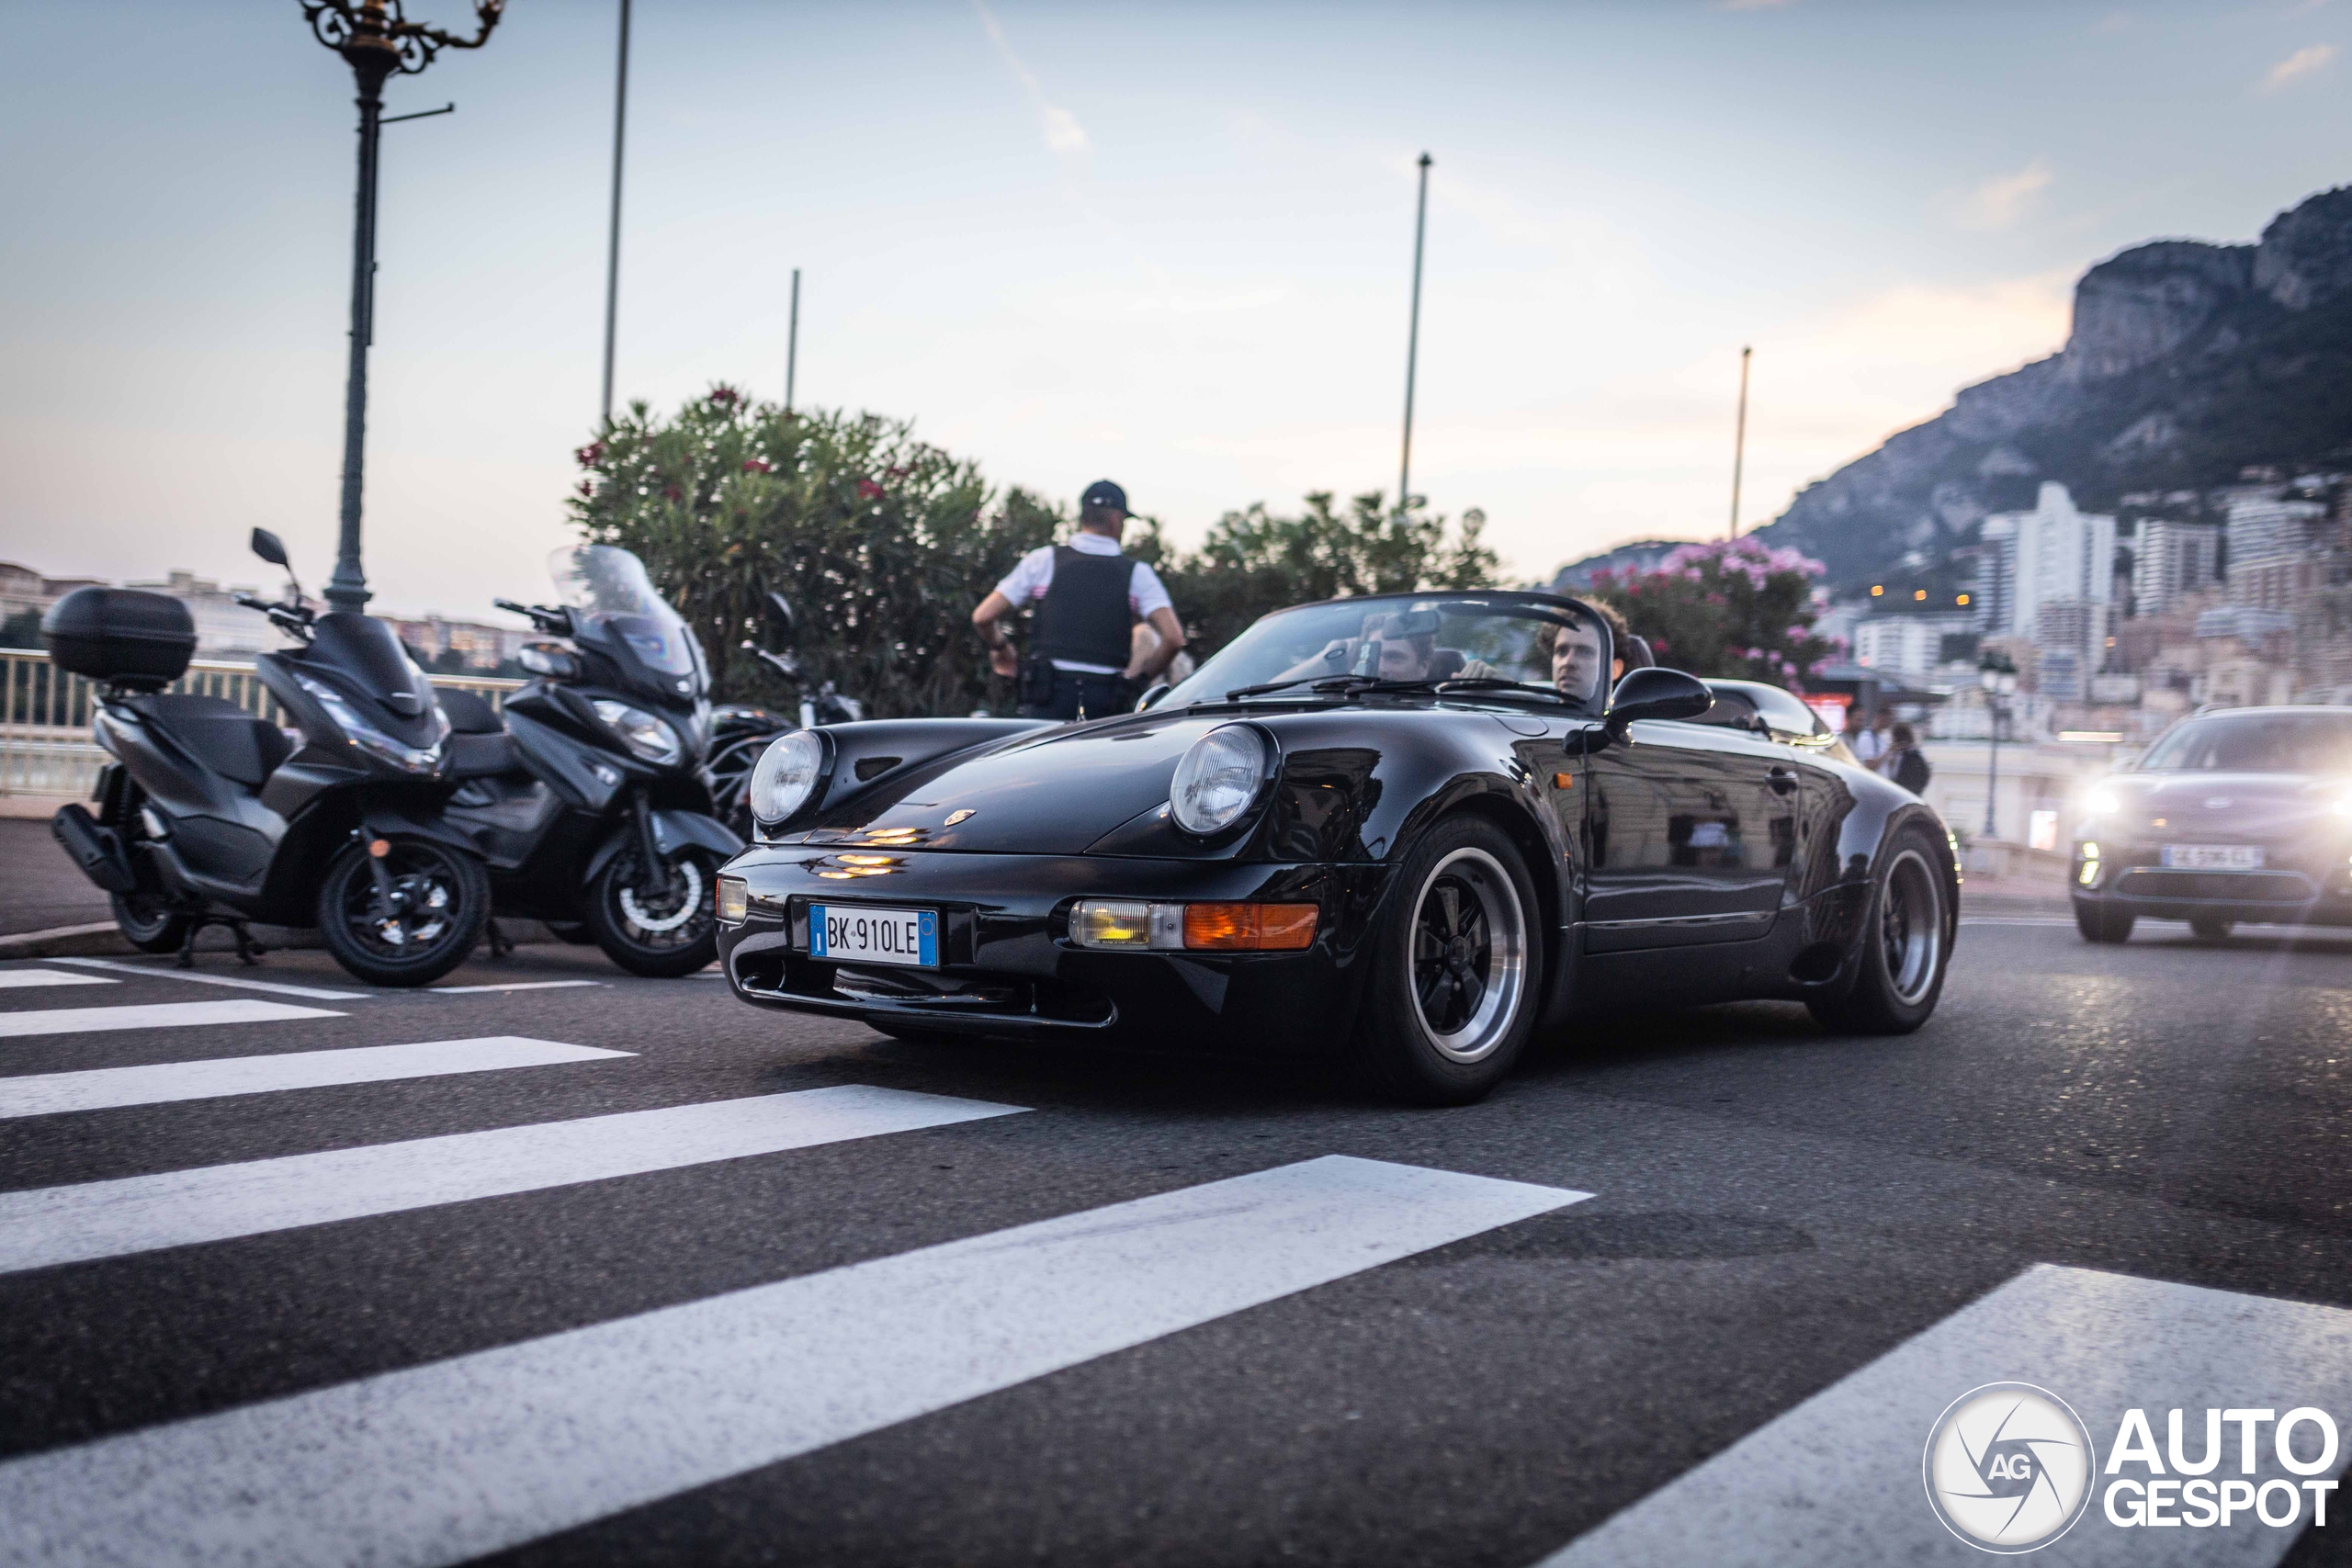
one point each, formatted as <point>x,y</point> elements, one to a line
<point>1413,344</point>
<point>613,240</point>
<point>1739,442</point>
<point>347,588</point>
<point>792,344</point>
<point>1992,767</point>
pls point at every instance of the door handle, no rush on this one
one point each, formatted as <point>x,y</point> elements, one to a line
<point>1782,780</point>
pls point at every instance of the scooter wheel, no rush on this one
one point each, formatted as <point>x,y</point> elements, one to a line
<point>439,898</point>
<point>147,924</point>
<point>660,929</point>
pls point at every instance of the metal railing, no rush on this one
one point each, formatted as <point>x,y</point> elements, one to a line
<point>45,713</point>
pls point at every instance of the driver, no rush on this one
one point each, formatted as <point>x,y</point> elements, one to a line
<point>1402,646</point>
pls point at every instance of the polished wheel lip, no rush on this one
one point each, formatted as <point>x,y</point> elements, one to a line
<point>1911,927</point>
<point>1498,959</point>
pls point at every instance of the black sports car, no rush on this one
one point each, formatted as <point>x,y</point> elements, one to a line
<point>1406,830</point>
<point>2239,815</point>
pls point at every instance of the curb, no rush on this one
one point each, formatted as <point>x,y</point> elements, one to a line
<point>66,942</point>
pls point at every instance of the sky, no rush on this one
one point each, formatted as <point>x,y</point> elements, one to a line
<point>1170,243</point>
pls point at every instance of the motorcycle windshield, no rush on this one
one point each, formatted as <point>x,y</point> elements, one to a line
<point>608,582</point>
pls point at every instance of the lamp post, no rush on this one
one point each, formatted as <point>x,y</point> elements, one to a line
<point>1999,675</point>
<point>1413,344</point>
<point>378,41</point>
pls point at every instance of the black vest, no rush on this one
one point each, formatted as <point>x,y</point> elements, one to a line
<point>1084,617</point>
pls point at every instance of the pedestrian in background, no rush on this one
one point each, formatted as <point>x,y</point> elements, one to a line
<point>1872,745</point>
<point>1903,762</point>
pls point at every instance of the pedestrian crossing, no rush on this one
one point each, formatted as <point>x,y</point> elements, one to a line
<point>150,1015</point>
<point>20,979</point>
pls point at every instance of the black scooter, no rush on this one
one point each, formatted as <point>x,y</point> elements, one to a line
<point>208,816</point>
<point>590,802</point>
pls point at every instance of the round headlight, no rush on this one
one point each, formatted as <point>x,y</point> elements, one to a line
<point>786,775</point>
<point>1218,778</point>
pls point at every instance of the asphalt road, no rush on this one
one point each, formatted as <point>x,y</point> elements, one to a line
<point>1352,1361</point>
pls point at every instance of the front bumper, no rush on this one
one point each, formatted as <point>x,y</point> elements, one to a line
<point>2299,884</point>
<point>1007,965</point>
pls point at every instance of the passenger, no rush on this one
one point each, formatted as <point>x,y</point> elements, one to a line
<point>1403,647</point>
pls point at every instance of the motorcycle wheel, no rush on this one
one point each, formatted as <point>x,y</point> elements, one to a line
<point>440,898</point>
<point>659,928</point>
<point>730,769</point>
<point>147,924</point>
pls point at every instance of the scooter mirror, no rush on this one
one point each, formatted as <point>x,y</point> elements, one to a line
<point>268,545</point>
<point>781,620</point>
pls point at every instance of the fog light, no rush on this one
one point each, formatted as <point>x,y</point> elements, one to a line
<point>1255,928</point>
<point>734,900</point>
<point>1111,922</point>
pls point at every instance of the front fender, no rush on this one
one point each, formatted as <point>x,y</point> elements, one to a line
<point>673,831</point>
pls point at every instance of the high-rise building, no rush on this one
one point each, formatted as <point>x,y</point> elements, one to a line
<point>2171,561</point>
<point>2053,552</point>
<point>2274,559</point>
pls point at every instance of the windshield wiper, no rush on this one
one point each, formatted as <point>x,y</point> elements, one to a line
<point>1333,686</point>
<point>1500,684</point>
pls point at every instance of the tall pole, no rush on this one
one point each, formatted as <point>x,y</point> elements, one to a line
<point>1992,761</point>
<point>613,238</point>
<point>1739,441</point>
<point>792,344</point>
<point>1413,344</point>
<point>347,588</point>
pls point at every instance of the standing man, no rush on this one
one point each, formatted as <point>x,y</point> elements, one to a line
<point>1872,747</point>
<point>1087,598</point>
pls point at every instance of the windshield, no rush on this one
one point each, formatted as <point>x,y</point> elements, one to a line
<point>606,580</point>
<point>1519,638</point>
<point>2256,743</point>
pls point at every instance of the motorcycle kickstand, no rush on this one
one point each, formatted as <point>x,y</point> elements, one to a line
<point>187,946</point>
<point>249,951</point>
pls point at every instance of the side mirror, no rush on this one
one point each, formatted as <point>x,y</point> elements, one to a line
<point>781,620</point>
<point>268,545</point>
<point>1151,697</point>
<point>1653,692</point>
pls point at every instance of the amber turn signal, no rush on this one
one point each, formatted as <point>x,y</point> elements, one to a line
<point>1251,928</point>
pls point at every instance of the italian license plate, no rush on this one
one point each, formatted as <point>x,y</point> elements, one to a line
<point>869,935</point>
<point>2214,857</point>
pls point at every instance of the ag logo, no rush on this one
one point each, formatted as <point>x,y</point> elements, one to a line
<point>2008,1467</point>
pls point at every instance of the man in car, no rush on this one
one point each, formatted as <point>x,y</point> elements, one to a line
<point>1398,647</point>
<point>1083,660</point>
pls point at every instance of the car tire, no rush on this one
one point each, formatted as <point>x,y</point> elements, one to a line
<point>148,924</point>
<point>1906,945</point>
<point>1456,969</point>
<point>2212,928</point>
<point>2099,923</point>
<point>445,897</point>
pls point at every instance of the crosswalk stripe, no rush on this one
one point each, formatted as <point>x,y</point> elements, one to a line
<point>150,1015</point>
<point>1837,1481</point>
<point>15,979</point>
<point>159,972</point>
<point>103,1089</point>
<point>108,1219</point>
<point>510,985</point>
<point>445,1462</point>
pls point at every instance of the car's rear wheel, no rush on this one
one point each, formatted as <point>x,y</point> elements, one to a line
<point>2212,928</point>
<point>1456,969</point>
<point>1905,945</point>
<point>2099,923</point>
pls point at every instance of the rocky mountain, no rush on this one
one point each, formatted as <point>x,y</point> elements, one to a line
<point>2187,363</point>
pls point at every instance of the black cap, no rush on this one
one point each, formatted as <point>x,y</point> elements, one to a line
<point>1102,492</point>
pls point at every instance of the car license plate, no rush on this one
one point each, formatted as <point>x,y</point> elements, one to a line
<point>2214,857</point>
<point>869,935</point>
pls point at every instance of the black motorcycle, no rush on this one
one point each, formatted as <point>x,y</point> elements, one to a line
<point>209,816</point>
<point>740,732</point>
<point>589,802</point>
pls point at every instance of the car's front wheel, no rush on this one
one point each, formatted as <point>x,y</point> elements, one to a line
<point>2100,924</point>
<point>1906,943</point>
<point>1456,969</point>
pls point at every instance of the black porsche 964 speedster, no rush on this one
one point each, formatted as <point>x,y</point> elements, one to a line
<point>1404,831</point>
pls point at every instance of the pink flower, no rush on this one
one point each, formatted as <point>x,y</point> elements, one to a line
<point>868,491</point>
<point>758,466</point>
<point>591,455</point>
<point>725,397</point>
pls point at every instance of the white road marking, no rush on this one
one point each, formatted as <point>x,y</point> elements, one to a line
<point>445,1462</point>
<point>2062,922</point>
<point>103,1089</point>
<point>139,1214</point>
<point>160,972</point>
<point>1837,1481</point>
<point>150,1015</point>
<point>12,979</point>
<point>515,986</point>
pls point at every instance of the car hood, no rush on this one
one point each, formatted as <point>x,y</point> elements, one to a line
<point>1053,794</point>
<point>2226,805</point>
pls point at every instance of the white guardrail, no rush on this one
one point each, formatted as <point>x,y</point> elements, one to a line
<point>45,744</point>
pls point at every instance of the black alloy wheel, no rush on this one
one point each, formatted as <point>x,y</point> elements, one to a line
<point>148,923</point>
<point>405,917</point>
<point>1905,943</point>
<point>660,926</point>
<point>2097,923</point>
<point>1458,960</point>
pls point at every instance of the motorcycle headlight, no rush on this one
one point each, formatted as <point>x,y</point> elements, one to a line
<point>642,733</point>
<point>374,741</point>
<point>1219,778</point>
<point>786,776</point>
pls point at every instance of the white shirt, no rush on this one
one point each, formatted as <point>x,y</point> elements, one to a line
<point>1870,746</point>
<point>1026,584</point>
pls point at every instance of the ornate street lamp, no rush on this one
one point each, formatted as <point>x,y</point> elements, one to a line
<point>379,41</point>
<point>1998,673</point>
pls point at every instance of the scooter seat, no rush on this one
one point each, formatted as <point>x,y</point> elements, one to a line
<point>472,756</point>
<point>224,737</point>
<point>469,714</point>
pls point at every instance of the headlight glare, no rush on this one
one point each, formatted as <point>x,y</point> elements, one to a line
<point>786,775</point>
<point>643,734</point>
<point>2102,803</point>
<point>1219,778</point>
